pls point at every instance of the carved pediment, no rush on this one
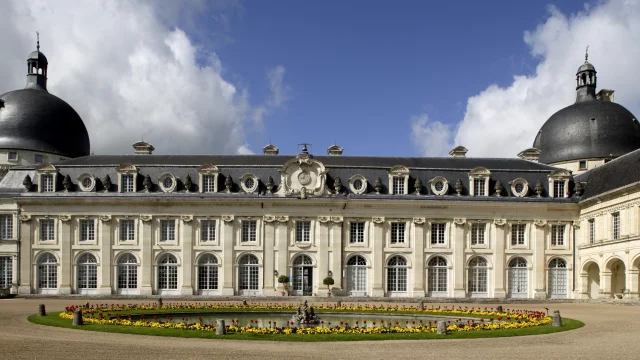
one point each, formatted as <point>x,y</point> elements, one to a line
<point>46,168</point>
<point>303,172</point>
<point>560,173</point>
<point>399,170</point>
<point>208,169</point>
<point>480,170</point>
<point>128,168</point>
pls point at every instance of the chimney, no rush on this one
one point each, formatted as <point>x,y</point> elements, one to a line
<point>459,152</point>
<point>270,150</point>
<point>531,154</point>
<point>143,148</point>
<point>605,95</point>
<point>335,150</point>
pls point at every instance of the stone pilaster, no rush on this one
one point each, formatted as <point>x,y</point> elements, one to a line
<point>228,263</point>
<point>27,262</point>
<point>605,284</point>
<point>499,280</point>
<point>378,256</point>
<point>188,267</point>
<point>632,281</point>
<point>270,282</point>
<point>66,255</point>
<point>539,265</point>
<point>105,239</point>
<point>281,244</point>
<point>418,260</point>
<point>323,252</point>
<point>458,241</point>
<point>336,255</point>
<point>146,243</point>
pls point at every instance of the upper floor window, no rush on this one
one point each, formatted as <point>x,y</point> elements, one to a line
<point>437,233</point>
<point>37,158</point>
<point>47,182</point>
<point>6,227</point>
<point>397,232</point>
<point>127,183</point>
<point>127,230</point>
<point>12,156</point>
<point>87,230</point>
<point>207,230</point>
<point>356,232</point>
<point>517,234</point>
<point>583,165</point>
<point>479,181</point>
<point>47,230</point>
<point>168,230</point>
<point>208,175</point>
<point>558,189</point>
<point>557,235</point>
<point>303,231</point>
<point>615,225</point>
<point>559,183</point>
<point>592,231</point>
<point>398,180</point>
<point>477,233</point>
<point>207,183</point>
<point>398,185</point>
<point>479,188</point>
<point>249,230</point>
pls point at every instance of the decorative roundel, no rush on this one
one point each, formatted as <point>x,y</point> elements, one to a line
<point>167,182</point>
<point>439,185</point>
<point>358,184</point>
<point>87,182</point>
<point>304,178</point>
<point>519,187</point>
<point>249,183</point>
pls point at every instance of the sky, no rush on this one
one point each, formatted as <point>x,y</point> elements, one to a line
<point>384,78</point>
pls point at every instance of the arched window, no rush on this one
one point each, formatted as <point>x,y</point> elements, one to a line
<point>6,271</point>
<point>47,273</point>
<point>478,277</point>
<point>558,278</point>
<point>127,273</point>
<point>167,274</point>
<point>518,279</point>
<point>87,273</point>
<point>302,276</point>
<point>438,276</point>
<point>397,276</point>
<point>357,275</point>
<point>207,273</point>
<point>248,275</point>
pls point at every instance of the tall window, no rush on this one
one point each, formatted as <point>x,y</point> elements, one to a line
<point>477,234</point>
<point>438,275</point>
<point>248,273</point>
<point>557,235</point>
<point>208,184</point>
<point>592,231</point>
<point>357,275</point>
<point>6,227</point>
<point>397,232</point>
<point>517,234</point>
<point>127,273</point>
<point>87,230</point>
<point>558,188</point>
<point>168,273</point>
<point>248,230</point>
<point>6,271</point>
<point>398,185</point>
<point>437,233</point>
<point>356,232</point>
<point>397,275</point>
<point>127,183</point>
<point>47,182</point>
<point>615,225</point>
<point>208,273</point>
<point>47,272</point>
<point>207,230</point>
<point>168,230</point>
<point>47,230</point>
<point>479,188</point>
<point>127,230</point>
<point>518,279</point>
<point>303,231</point>
<point>478,277</point>
<point>87,273</point>
<point>558,278</point>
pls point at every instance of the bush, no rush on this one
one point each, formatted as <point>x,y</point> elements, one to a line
<point>328,281</point>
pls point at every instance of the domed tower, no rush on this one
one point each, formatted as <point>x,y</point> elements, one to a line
<point>590,132</point>
<point>36,126</point>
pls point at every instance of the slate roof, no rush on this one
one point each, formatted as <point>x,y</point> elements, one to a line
<point>613,175</point>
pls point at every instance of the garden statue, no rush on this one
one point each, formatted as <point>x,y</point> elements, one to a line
<point>305,314</point>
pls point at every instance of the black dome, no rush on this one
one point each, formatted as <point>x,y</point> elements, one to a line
<point>33,119</point>
<point>588,129</point>
<point>37,55</point>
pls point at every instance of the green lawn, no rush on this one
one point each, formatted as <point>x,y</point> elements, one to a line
<point>52,319</point>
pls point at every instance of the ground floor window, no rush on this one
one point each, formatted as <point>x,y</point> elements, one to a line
<point>127,273</point>
<point>438,276</point>
<point>357,275</point>
<point>303,276</point>
<point>167,273</point>
<point>47,272</point>
<point>248,274</point>
<point>207,273</point>
<point>397,275</point>
<point>6,271</point>
<point>87,273</point>
<point>478,277</point>
<point>558,278</point>
<point>518,279</point>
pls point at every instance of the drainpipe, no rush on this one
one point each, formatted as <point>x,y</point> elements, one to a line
<point>573,267</point>
<point>19,246</point>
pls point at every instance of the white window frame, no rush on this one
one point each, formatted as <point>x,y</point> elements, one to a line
<point>558,233</point>
<point>51,230</point>
<point>15,159</point>
<point>401,239</point>
<point>120,230</point>
<point>131,273</point>
<point>245,232</point>
<point>615,225</point>
<point>592,231</point>
<point>249,189</point>
<point>6,271</point>
<point>559,177</point>
<point>352,181</point>
<point>439,234</point>
<point>91,232</point>
<point>124,170</point>
<point>481,234</point>
<point>481,174</point>
<point>303,231</point>
<point>519,235</point>
<point>211,237</point>
<point>92,182</point>
<point>174,182</point>
<point>6,227</point>
<point>171,234</point>
<point>445,186</point>
<point>401,173</point>
<point>525,187</point>
<point>208,170</point>
<point>357,229</point>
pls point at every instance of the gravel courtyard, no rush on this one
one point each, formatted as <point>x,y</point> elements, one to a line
<point>610,331</point>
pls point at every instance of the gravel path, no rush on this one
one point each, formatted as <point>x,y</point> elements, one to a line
<point>611,331</point>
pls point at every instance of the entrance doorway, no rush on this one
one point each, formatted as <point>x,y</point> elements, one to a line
<point>302,276</point>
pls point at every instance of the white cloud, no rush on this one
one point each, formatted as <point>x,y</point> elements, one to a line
<point>500,122</point>
<point>432,138</point>
<point>129,73</point>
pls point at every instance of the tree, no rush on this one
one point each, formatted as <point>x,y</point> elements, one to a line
<point>328,281</point>
<point>284,280</point>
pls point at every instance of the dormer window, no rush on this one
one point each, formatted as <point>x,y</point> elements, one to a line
<point>47,182</point>
<point>398,180</point>
<point>358,184</point>
<point>127,183</point>
<point>479,188</point>
<point>559,182</point>
<point>398,185</point>
<point>47,174</point>
<point>479,181</point>
<point>127,174</point>
<point>208,178</point>
<point>439,185</point>
<point>249,183</point>
<point>519,187</point>
<point>558,189</point>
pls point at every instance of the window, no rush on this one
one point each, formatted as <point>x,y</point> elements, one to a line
<point>6,227</point>
<point>127,230</point>
<point>167,182</point>
<point>303,231</point>
<point>592,231</point>
<point>6,272</point>
<point>47,230</point>
<point>519,188</point>
<point>437,233</point>
<point>208,273</point>
<point>398,185</point>
<point>357,184</point>
<point>37,158</point>
<point>249,230</point>
<point>47,272</point>
<point>208,184</point>
<point>517,234</point>
<point>583,165</point>
<point>557,235</point>
<point>127,183</point>
<point>167,230</point>
<point>357,275</point>
<point>356,232</point>
<point>478,277</point>
<point>397,232</point>
<point>615,225</point>
<point>86,182</point>
<point>477,234</point>
<point>438,275</point>
<point>439,185</point>
<point>558,188</point>
<point>87,273</point>
<point>207,230</point>
<point>47,182</point>
<point>168,273</point>
<point>87,230</point>
<point>558,278</point>
<point>479,188</point>
<point>397,275</point>
<point>12,156</point>
<point>248,273</point>
<point>127,272</point>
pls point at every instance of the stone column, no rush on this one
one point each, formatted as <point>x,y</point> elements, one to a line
<point>67,264</point>
<point>539,265</point>
<point>323,253</point>
<point>107,268</point>
<point>281,243</point>
<point>188,267</point>
<point>632,284</point>
<point>228,262</point>
<point>378,266</point>
<point>336,255</point>
<point>26,258</point>
<point>458,242</point>
<point>270,282</point>
<point>501,231</point>
<point>146,243</point>
<point>605,284</point>
<point>584,285</point>
<point>418,257</point>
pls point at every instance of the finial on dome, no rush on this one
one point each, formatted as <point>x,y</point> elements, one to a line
<point>37,40</point>
<point>586,54</point>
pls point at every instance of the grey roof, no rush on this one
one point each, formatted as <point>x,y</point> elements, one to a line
<point>37,55</point>
<point>33,119</point>
<point>586,67</point>
<point>613,175</point>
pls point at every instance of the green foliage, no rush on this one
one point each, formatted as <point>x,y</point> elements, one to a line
<point>283,279</point>
<point>328,281</point>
